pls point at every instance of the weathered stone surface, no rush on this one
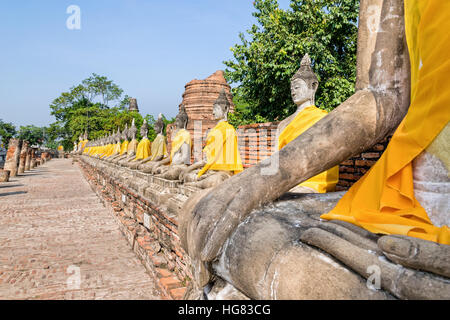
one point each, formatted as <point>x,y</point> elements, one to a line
<point>33,159</point>
<point>12,157</point>
<point>23,157</point>
<point>4,175</point>
<point>28,159</point>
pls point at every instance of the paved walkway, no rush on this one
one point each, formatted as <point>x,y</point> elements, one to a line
<point>57,241</point>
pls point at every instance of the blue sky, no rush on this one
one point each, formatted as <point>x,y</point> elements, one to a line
<point>150,48</point>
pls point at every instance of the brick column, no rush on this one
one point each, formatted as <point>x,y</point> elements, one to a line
<point>33,158</point>
<point>28,160</point>
<point>23,156</point>
<point>12,156</point>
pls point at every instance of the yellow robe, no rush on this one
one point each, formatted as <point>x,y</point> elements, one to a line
<point>108,151</point>
<point>132,146</point>
<point>222,151</point>
<point>182,136</point>
<point>159,147</point>
<point>383,200</point>
<point>143,149</point>
<point>124,147</point>
<point>327,180</point>
<point>116,149</point>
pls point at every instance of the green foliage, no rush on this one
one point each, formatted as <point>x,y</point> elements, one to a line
<point>86,108</point>
<point>7,131</point>
<point>242,114</point>
<point>270,54</point>
<point>34,135</point>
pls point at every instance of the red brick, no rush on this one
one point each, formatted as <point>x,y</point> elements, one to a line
<point>364,163</point>
<point>178,293</point>
<point>163,273</point>
<point>157,260</point>
<point>170,283</point>
<point>345,169</point>
<point>378,147</point>
<point>347,163</point>
<point>370,155</point>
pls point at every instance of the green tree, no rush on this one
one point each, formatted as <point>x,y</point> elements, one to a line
<point>7,131</point>
<point>270,54</point>
<point>96,106</point>
<point>33,134</point>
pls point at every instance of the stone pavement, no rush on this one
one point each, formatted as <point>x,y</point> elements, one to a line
<point>57,241</point>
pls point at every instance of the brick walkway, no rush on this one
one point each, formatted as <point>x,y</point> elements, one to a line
<point>53,227</point>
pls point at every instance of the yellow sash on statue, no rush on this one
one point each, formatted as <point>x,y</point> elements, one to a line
<point>327,180</point>
<point>182,136</point>
<point>124,147</point>
<point>159,147</point>
<point>106,151</point>
<point>132,146</point>
<point>116,149</point>
<point>143,149</point>
<point>222,151</point>
<point>383,200</point>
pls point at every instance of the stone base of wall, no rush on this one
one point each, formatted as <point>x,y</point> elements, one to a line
<point>147,228</point>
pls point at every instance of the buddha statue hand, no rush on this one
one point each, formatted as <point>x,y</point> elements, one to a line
<point>206,224</point>
<point>414,268</point>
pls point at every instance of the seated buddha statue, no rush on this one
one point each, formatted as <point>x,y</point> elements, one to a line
<point>221,150</point>
<point>394,219</point>
<point>143,148</point>
<point>180,154</point>
<point>158,149</point>
<point>123,146</point>
<point>116,147</point>
<point>132,146</point>
<point>304,85</point>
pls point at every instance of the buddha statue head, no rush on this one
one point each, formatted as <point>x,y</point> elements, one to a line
<point>304,83</point>
<point>85,137</point>
<point>221,107</point>
<point>182,118</point>
<point>124,135</point>
<point>132,131</point>
<point>144,129</point>
<point>159,124</point>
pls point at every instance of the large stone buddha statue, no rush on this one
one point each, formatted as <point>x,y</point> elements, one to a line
<point>222,152</point>
<point>158,149</point>
<point>180,154</point>
<point>390,225</point>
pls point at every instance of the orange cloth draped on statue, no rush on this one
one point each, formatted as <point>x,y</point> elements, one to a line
<point>383,200</point>
<point>222,150</point>
<point>327,180</point>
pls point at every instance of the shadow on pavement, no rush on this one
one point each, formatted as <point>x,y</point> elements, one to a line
<point>12,193</point>
<point>11,186</point>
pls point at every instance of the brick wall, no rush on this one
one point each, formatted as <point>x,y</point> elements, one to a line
<point>151,231</point>
<point>256,142</point>
<point>354,168</point>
